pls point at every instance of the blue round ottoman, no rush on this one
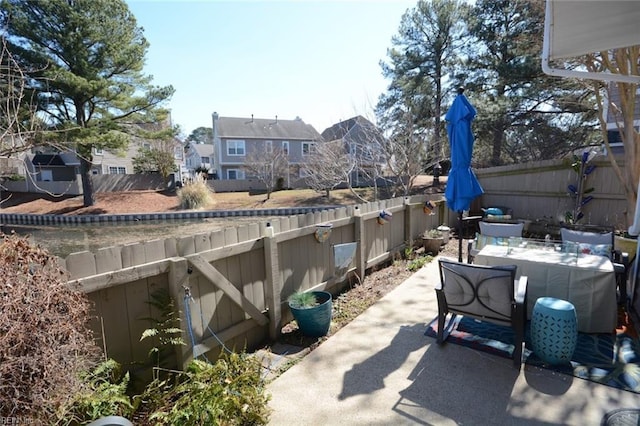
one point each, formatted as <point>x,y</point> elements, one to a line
<point>554,330</point>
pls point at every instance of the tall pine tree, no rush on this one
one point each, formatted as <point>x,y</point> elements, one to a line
<point>419,65</point>
<point>523,114</point>
<point>84,60</point>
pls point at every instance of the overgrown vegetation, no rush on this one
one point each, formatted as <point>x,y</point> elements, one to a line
<point>49,365</point>
<point>416,260</point>
<point>103,393</point>
<point>229,392</point>
<point>195,195</point>
<point>44,335</point>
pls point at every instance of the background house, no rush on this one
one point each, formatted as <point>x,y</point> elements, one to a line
<point>234,138</point>
<point>58,172</point>
<point>613,133</point>
<point>198,156</point>
<point>362,141</point>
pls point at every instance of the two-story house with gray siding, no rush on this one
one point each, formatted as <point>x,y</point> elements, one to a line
<point>363,143</point>
<point>235,137</point>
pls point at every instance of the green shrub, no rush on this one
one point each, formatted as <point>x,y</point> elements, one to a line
<point>229,392</point>
<point>303,300</point>
<point>104,393</point>
<point>195,195</point>
<point>418,262</point>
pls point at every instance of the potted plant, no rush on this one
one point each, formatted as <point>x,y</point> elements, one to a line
<point>312,312</point>
<point>432,240</point>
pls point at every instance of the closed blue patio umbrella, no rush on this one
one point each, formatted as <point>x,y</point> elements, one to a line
<point>462,184</point>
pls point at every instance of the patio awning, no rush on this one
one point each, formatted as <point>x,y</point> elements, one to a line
<point>576,27</point>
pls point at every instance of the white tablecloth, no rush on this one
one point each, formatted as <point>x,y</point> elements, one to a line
<point>587,281</point>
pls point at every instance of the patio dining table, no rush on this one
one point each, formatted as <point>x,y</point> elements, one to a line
<point>587,281</point>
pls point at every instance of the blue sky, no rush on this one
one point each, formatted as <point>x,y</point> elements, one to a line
<point>318,60</point>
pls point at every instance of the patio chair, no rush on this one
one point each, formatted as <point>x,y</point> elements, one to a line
<point>600,240</point>
<point>486,293</point>
<point>492,233</point>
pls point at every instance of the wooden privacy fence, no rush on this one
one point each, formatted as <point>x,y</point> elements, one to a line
<point>538,190</point>
<point>234,282</point>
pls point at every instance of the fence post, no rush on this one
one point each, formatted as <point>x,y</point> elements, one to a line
<point>178,281</point>
<point>273,285</point>
<point>360,239</point>
<point>408,238</point>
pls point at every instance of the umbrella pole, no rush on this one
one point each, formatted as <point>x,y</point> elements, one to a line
<point>459,236</point>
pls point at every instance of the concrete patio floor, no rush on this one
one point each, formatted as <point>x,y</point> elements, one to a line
<point>382,370</point>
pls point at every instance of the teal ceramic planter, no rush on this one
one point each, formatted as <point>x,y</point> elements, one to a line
<point>314,321</point>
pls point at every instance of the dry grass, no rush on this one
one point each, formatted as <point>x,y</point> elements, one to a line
<point>166,201</point>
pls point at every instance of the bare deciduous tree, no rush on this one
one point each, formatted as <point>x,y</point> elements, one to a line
<point>624,61</point>
<point>328,166</point>
<point>406,147</point>
<point>266,164</point>
<point>159,158</point>
<point>18,122</point>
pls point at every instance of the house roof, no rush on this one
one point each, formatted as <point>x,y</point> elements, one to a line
<point>203,149</point>
<point>260,128</point>
<point>355,130</point>
<point>47,160</point>
<point>69,158</point>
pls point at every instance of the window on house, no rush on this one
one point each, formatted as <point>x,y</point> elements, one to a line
<point>98,151</point>
<point>268,147</point>
<point>235,147</point>
<point>146,145</point>
<point>308,148</point>
<point>235,174</point>
<point>117,170</point>
<point>204,160</point>
<point>285,147</point>
<point>46,175</point>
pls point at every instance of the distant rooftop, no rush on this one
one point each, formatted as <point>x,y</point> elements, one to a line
<point>265,128</point>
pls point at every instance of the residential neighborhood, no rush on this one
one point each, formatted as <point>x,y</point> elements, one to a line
<point>335,213</point>
<point>235,139</point>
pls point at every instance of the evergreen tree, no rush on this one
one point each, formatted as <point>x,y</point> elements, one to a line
<point>523,114</point>
<point>422,56</point>
<point>201,135</point>
<point>84,61</point>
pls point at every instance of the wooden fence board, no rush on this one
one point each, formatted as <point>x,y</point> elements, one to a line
<point>108,259</point>
<point>186,245</point>
<point>214,276</point>
<point>113,311</point>
<point>155,250</point>
<point>137,308</point>
<point>133,254</point>
<point>232,272</point>
<point>216,306</point>
<point>202,242</point>
<point>170,247</point>
<point>81,264</point>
